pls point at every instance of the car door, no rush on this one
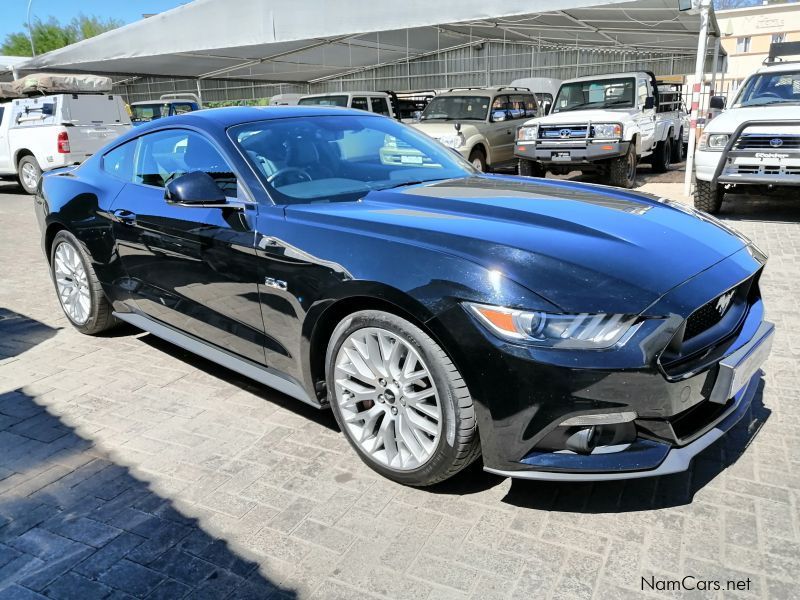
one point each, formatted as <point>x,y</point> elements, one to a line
<point>191,268</point>
<point>500,131</point>
<point>646,117</point>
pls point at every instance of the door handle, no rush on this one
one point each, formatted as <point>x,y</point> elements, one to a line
<point>125,217</point>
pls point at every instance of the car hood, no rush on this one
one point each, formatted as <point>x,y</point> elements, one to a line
<point>582,247</point>
<point>729,120</point>
<point>573,117</point>
<point>438,129</point>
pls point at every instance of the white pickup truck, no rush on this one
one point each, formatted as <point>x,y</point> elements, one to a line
<point>755,143</point>
<point>606,124</point>
<point>40,133</point>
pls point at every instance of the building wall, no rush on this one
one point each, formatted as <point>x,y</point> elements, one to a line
<point>760,24</point>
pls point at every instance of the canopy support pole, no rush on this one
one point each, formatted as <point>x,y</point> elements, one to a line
<point>702,45</point>
<point>199,92</point>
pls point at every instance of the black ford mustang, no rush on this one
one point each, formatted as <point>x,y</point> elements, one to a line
<point>564,331</point>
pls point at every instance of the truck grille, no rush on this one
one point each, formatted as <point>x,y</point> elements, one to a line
<point>765,141</point>
<point>765,170</point>
<point>563,132</point>
<point>712,312</point>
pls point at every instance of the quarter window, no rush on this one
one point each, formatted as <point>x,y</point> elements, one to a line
<point>119,162</point>
<point>360,103</point>
<point>166,155</point>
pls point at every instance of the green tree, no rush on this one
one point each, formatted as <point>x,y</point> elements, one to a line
<point>52,35</point>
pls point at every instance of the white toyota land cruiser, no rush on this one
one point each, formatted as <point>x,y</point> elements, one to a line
<point>756,142</point>
<point>604,123</point>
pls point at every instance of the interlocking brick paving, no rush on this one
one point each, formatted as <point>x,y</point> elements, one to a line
<point>129,468</point>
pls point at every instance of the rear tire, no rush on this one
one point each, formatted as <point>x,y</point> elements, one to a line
<point>662,156</point>
<point>371,389</point>
<point>478,159</point>
<point>531,168</point>
<point>29,173</point>
<point>79,291</point>
<point>678,148</point>
<point>622,170</point>
<point>708,197</point>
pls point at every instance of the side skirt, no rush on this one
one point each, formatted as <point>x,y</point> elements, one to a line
<point>259,373</point>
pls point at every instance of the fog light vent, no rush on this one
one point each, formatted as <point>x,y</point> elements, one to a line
<point>600,419</point>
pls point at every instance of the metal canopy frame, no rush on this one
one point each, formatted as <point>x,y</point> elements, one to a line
<point>313,41</point>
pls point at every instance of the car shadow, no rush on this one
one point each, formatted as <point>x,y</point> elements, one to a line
<point>75,522</point>
<point>773,208</point>
<point>324,417</point>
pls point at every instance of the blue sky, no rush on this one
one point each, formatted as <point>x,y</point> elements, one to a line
<point>14,11</point>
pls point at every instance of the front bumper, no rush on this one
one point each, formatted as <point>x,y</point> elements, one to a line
<point>523,394</point>
<point>554,152</point>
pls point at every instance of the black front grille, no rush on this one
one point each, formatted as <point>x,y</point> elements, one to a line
<point>572,131</point>
<point>765,141</point>
<point>702,319</point>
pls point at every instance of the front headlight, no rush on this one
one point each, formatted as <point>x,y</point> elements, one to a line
<point>713,141</point>
<point>452,141</point>
<point>528,133</point>
<point>567,331</point>
<point>607,131</point>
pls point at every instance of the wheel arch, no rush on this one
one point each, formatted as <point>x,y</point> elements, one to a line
<point>321,323</point>
<point>50,234</point>
<point>483,147</point>
<point>20,154</point>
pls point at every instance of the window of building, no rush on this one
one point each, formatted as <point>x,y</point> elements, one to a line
<point>778,38</point>
<point>743,44</point>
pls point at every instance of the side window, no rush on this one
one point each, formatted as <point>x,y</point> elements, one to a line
<point>360,103</point>
<point>168,154</point>
<point>500,106</point>
<point>380,106</point>
<point>642,92</point>
<point>119,162</point>
<point>179,109</point>
<point>522,106</point>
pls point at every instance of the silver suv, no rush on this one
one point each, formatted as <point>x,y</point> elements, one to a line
<point>480,123</point>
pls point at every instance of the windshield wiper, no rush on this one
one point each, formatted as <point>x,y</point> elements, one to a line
<point>404,183</point>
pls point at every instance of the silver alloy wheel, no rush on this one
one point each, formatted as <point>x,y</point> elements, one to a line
<point>72,283</point>
<point>478,164</point>
<point>29,176</point>
<point>387,398</point>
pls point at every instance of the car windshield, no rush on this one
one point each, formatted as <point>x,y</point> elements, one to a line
<point>324,101</point>
<point>342,158</point>
<point>603,93</point>
<point>770,88</point>
<point>148,112</point>
<point>457,108</point>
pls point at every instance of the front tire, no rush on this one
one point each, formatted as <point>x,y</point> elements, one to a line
<point>79,291</point>
<point>29,173</point>
<point>530,168</point>
<point>678,149</point>
<point>708,197</point>
<point>478,159</point>
<point>622,170</point>
<point>399,399</point>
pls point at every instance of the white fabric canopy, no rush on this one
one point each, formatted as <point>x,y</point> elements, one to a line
<point>311,40</point>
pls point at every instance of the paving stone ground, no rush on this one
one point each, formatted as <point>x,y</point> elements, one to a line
<point>129,468</point>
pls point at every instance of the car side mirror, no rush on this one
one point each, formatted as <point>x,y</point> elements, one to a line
<point>717,102</point>
<point>498,116</point>
<point>194,189</point>
<point>546,106</point>
<point>650,102</point>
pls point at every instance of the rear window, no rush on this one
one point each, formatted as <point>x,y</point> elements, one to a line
<point>324,101</point>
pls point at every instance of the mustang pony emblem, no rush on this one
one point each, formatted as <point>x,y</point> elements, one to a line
<point>723,303</point>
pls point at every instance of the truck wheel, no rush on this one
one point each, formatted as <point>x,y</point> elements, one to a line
<point>478,160</point>
<point>29,173</point>
<point>677,149</point>
<point>708,197</point>
<point>662,157</point>
<point>530,168</point>
<point>622,170</point>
